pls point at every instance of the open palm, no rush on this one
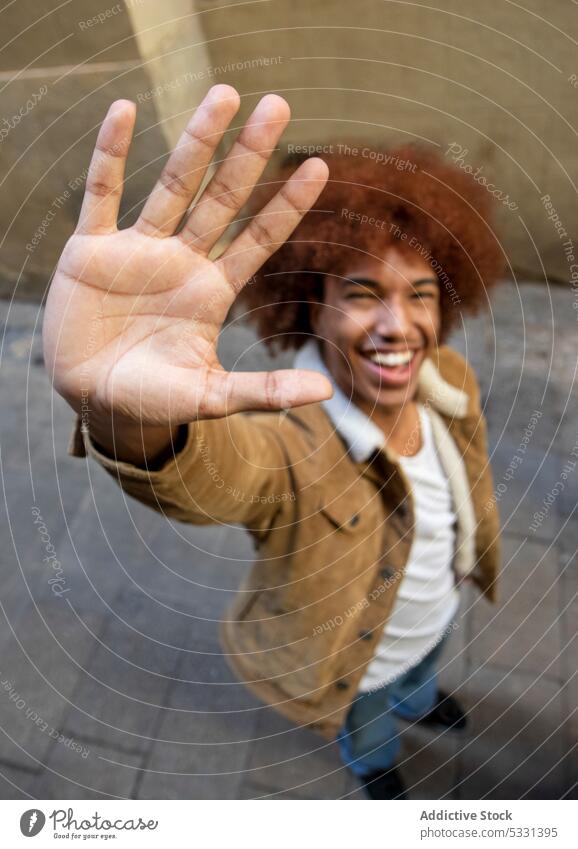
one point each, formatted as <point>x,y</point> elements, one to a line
<point>133,316</point>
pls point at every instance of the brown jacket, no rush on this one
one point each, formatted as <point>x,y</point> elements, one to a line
<point>332,535</point>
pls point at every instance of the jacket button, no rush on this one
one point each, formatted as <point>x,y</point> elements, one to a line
<point>354,520</point>
<point>342,685</point>
<point>386,573</point>
<point>365,635</point>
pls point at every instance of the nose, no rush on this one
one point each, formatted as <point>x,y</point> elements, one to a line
<point>392,320</point>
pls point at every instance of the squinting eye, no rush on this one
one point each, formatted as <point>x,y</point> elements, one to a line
<point>359,293</point>
<point>422,295</point>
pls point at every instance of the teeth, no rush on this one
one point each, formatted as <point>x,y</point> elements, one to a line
<point>400,358</point>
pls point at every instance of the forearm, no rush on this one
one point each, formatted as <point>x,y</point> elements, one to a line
<point>221,470</point>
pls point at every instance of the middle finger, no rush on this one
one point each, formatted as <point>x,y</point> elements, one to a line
<point>184,171</point>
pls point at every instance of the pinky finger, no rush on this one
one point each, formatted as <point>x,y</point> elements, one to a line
<point>105,176</point>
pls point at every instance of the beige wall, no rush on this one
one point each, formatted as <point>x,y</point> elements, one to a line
<point>54,96</point>
<point>494,80</point>
<point>172,47</point>
<point>43,157</point>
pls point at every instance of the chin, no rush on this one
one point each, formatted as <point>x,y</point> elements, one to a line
<point>394,399</point>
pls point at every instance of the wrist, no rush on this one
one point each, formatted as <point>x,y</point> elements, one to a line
<point>147,446</point>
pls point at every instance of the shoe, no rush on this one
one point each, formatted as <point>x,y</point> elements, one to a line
<point>446,714</point>
<point>384,784</point>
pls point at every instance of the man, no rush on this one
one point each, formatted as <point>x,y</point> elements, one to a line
<point>362,474</point>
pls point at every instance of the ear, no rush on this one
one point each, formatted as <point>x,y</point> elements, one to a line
<point>315,309</point>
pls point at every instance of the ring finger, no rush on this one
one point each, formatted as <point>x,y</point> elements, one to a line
<point>235,179</point>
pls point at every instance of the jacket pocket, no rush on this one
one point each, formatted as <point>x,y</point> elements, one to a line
<point>346,511</point>
<point>287,651</point>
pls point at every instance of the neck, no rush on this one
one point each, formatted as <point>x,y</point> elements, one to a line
<point>399,425</point>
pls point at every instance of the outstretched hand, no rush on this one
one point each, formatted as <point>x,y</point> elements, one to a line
<point>133,316</point>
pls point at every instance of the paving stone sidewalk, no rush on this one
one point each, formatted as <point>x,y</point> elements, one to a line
<point>117,687</point>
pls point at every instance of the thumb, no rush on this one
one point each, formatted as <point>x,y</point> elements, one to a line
<point>273,390</point>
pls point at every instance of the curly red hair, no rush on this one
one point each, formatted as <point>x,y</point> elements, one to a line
<point>420,202</point>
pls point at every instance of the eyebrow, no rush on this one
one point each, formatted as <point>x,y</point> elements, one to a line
<point>361,281</point>
<point>373,284</point>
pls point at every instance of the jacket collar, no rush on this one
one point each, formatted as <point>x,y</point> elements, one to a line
<point>361,435</point>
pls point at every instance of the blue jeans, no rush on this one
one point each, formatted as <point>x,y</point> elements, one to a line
<point>370,738</point>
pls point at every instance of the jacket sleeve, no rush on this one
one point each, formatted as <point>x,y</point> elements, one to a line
<point>232,470</point>
<point>486,573</point>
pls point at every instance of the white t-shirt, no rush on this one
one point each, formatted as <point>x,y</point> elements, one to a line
<point>427,598</point>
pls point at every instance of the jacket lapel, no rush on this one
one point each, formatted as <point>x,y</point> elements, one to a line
<point>455,469</point>
<point>435,391</point>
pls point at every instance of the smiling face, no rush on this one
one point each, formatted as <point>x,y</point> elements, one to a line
<point>376,324</point>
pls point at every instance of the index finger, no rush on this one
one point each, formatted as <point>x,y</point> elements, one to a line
<point>274,224</point>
